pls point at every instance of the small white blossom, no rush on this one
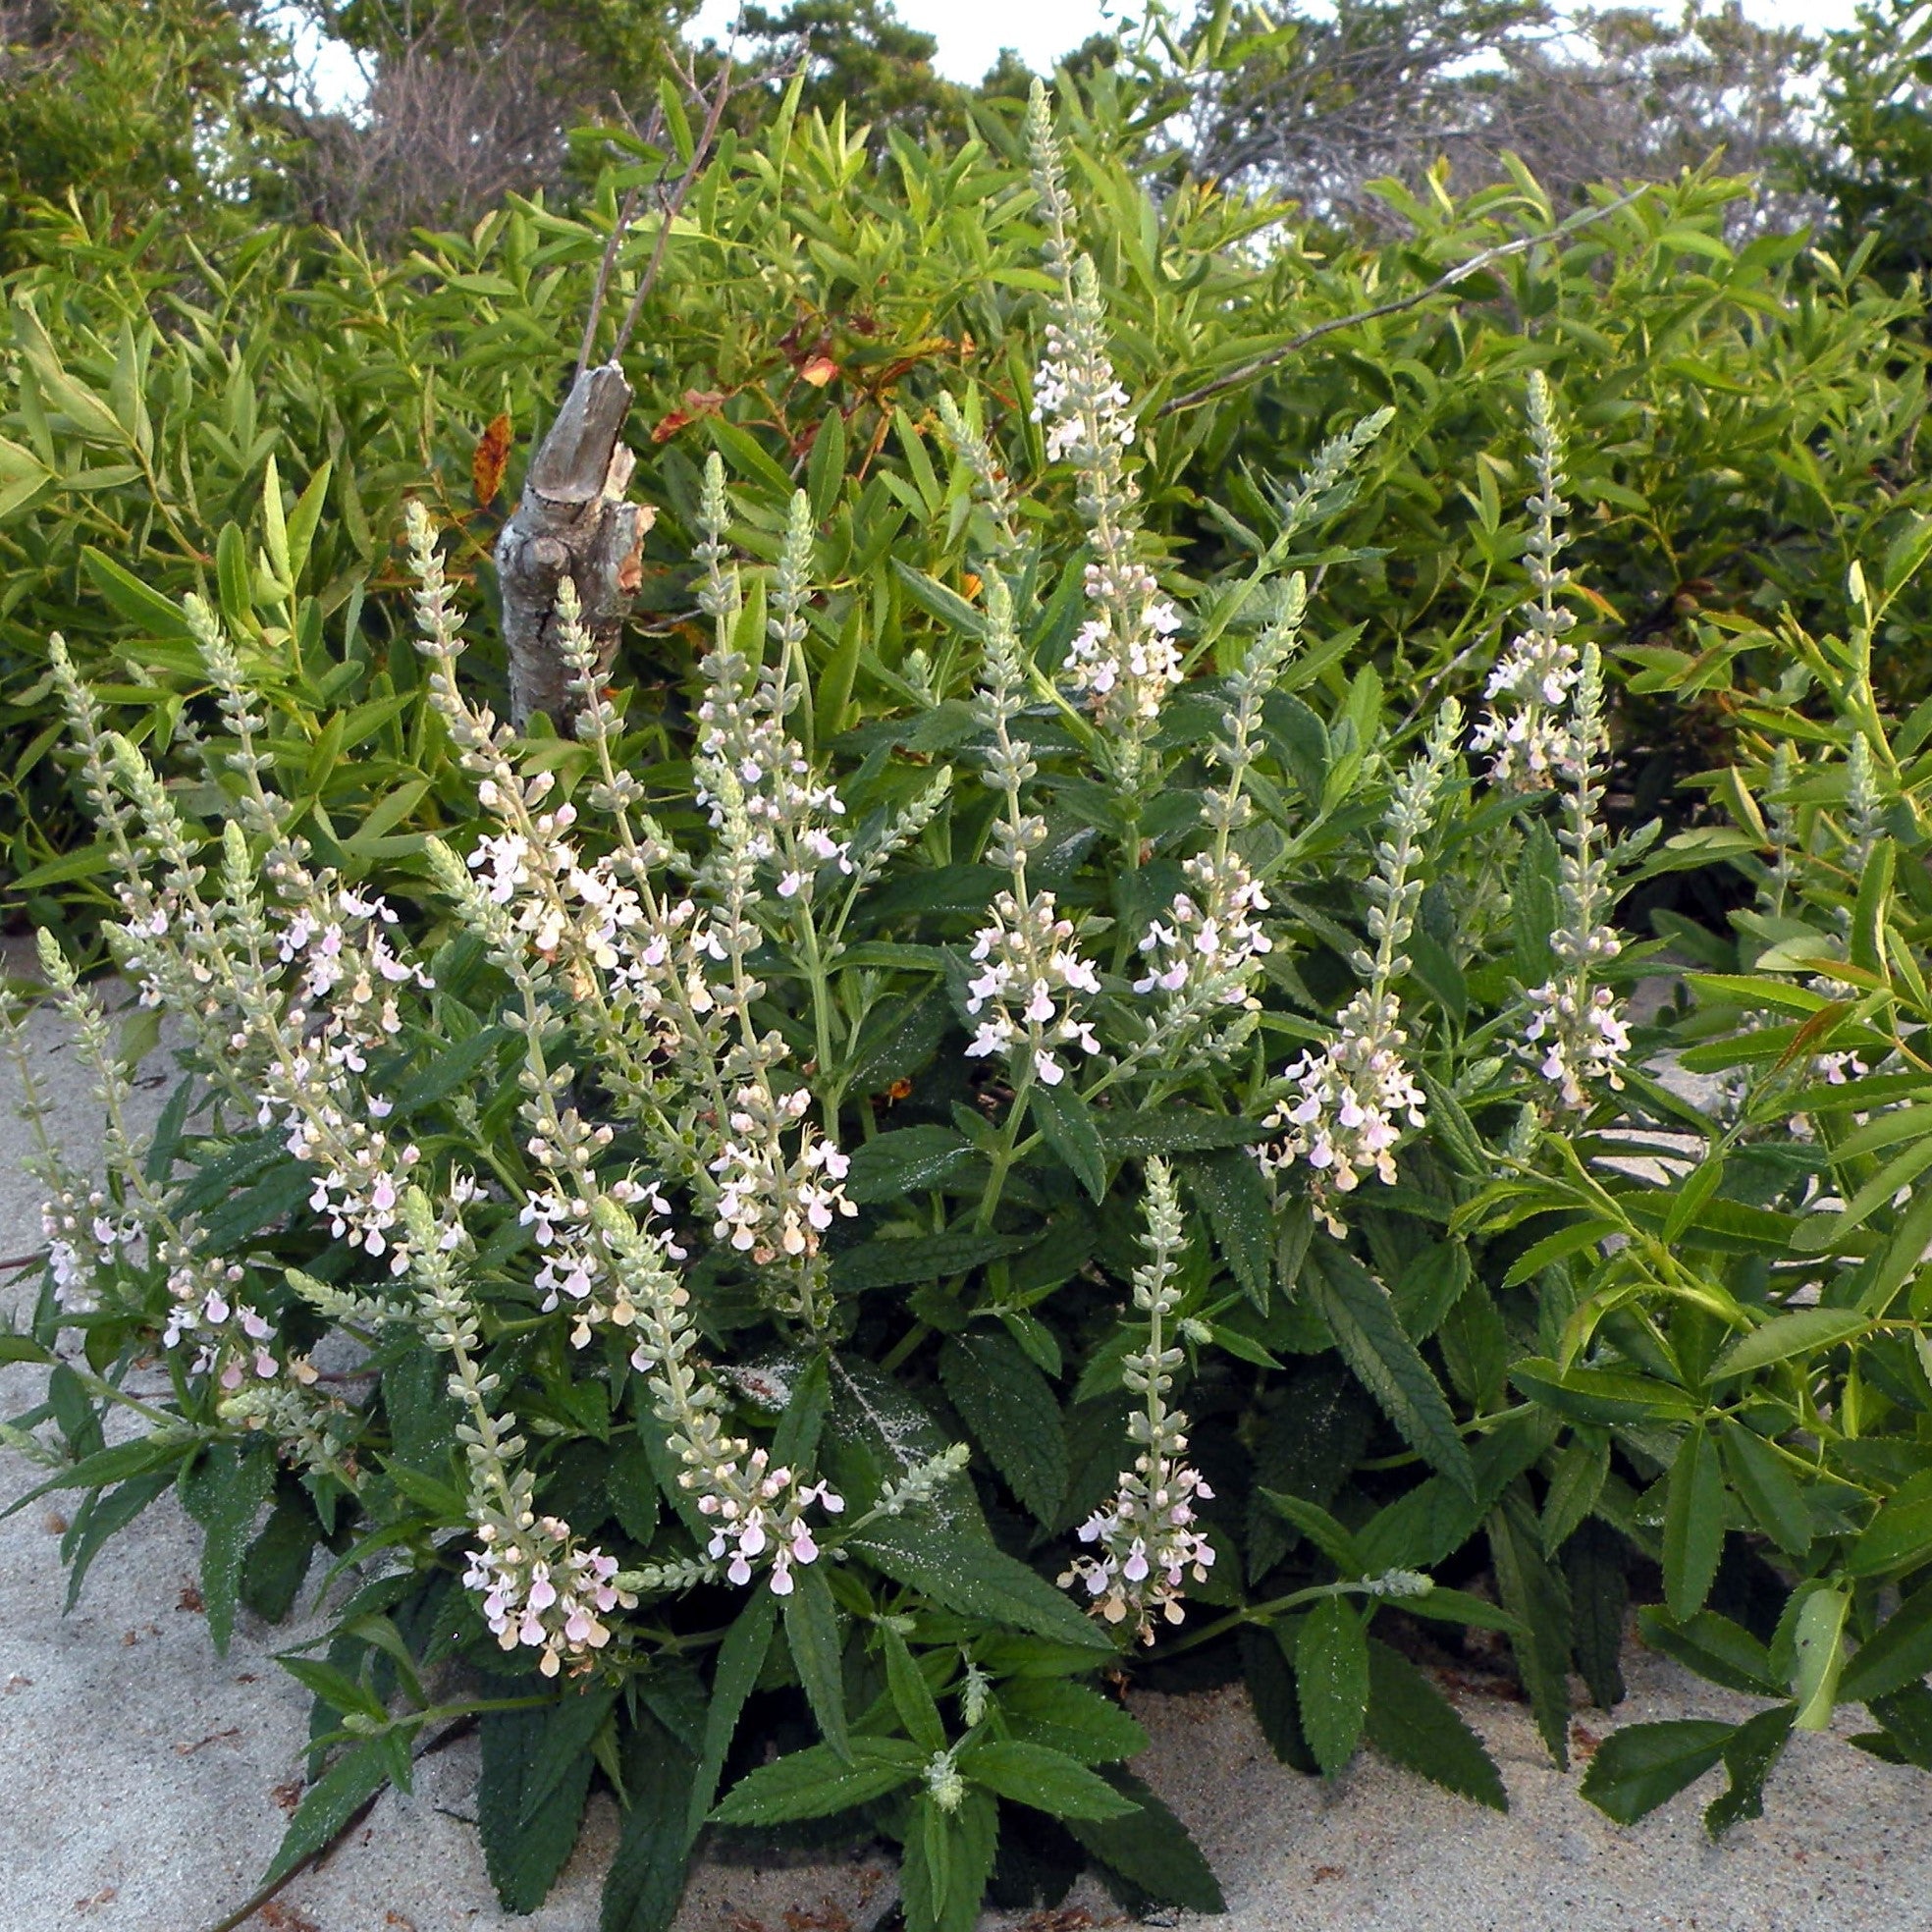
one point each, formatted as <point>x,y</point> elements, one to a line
<point>1024,996</point>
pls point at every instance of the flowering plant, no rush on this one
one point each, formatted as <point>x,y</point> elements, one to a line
<point>875,1222</point>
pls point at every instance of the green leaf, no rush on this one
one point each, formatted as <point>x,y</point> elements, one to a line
<point>1067,1122</point>
<point>278,1560</point>
<point>817,1783</point>
<point>101,1517</point>
<point>971,1574</point>
<point>811,1631</point>
<point>146,610</point>
<point>1048,1780</point>
<point>740,1659</point>
<point>1714,1647</point>
<point>1363,1321</point>
<point>646,1878</point>
<point>1605,1397</point>
<point>1765,1486</point>
<point>1576,1482</point>
<point>1071,1718</point>
<point>1798,1331</point>
<point>1898,1538</point>
<point>1332,1680</point>
<point>1266,1666</point>
<point>1229,1186</point>
<point>937,601</point>
<point>1819,1655</point>
<point>912,1696</point>
<point>1637,1769</point>
<point>1694,1525</point>
<point>1150,1849</point>
<point>1411,1722</point>
<point>225,1491</point>
<point>527,1837</point>
<point>1336,1543</point>
<point>948,1860</point>
<point>329,1804</point>
<point>1010,1409</point>
<point>1534,1593</point>
<point>1754,1749</point>
<point>907,1162</point>
<point>910,1264</point>
<point>569,1725</point>
<point>1898,1653</point>
<point>1174,1129</point>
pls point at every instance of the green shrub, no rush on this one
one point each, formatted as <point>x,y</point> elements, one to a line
<point>929,1125</point>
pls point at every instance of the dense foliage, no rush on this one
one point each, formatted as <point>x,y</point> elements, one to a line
<point>1013,1080</point>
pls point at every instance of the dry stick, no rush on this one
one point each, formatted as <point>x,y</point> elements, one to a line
<point>1460,273</point>
<point>671,205</point>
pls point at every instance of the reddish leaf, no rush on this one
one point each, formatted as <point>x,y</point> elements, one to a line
<point>486,466</point>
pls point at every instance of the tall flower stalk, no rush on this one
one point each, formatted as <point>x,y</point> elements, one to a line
<point>1124,659</point>
<point>1576,1032</point>
<point>1349,1102</point>
<point>1145,1541</point>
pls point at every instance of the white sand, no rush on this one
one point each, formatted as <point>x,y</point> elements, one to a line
<point>143,1784</point>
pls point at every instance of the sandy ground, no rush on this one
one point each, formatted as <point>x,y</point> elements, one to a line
<point>143,1786</point>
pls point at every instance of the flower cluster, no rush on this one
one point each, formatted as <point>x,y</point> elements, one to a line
<point>1526,729</point>
<point>541,1591</point>
<point>85,1233</point>
<point>1124,661</point>
<point>768,1204</point>
<point>1145,1541</point>
<point>765,1510</point>
<point>1575,1032</point>
<point>1580,1036</point>
<point>1021,995</point>
<point>1203,951</point>
<point>1352,1098</point>
<point>1076,396</point>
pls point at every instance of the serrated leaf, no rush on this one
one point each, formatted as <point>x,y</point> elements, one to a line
<point>328,1804</point>
<point>925,1258</point>
<point>906,1161</point>
<point>1174,1129</point>
<point>1229,1186</point>
<point>971,1574</point>
<point>1641,1767</point>
<point>1749,1755</point>
<point>1150,1849</point>
<point>1533,1593</point>
<point>646,1878</point>
<point>1048,1780</point>
<point>1066,1123</point>
<point>226,1491</point>
<point>1766,1487</point>
<point>740,1659</point>
<point>1011,1407</point>
<point>1071,1718</point>
<point>812,1631</point>
<point>1694,1524</point>
<point>948,1860</point>
<point>1897,1654</point>
<point>1332,1680</point>
<point>817,1783</point>
<point>1411,1722</point>
<point>526,1838</point>
<point>1798,1331</point>
<point>1363,1321</point>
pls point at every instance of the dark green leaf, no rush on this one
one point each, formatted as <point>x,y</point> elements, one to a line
<point>1411,1722</point>
<point>1694,1525</point>
<point>1133,1133</point>
<point>740,1659</point>
<point>1766,1487</point>
<point>1898,1653</point>
<point>906,1161</point>
<point>812,1630</point>
<point>949,1859</point>
<point>1067,1122</point>
<point>1265,1664</point>
<point>1010,1409</point>
<point>225,1491</point>
<point>278,1559</point>
<point>1229,1186</point>
<point>1752,1750</point>
<point>1150,1848</point>
<point>1048,1780</point>
<point>1599,1595</point>
<point>1363,1321</point>
<point>329,1804</point>
<point>527,1838</point>
<point>1637,1769</point>
<point>925,1258</point>
<point>1070,1718</point>
<point>817,1783</point>
<point>1714,1647</point>
<point>1332,1680</point>
<point>1534,1593</point>
<point>646,1879</point>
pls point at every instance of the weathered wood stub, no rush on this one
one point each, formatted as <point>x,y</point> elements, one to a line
<point>575,521</point>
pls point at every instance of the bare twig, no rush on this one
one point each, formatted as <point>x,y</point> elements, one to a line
<point>1523,243</point>
<point>671,205</point>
